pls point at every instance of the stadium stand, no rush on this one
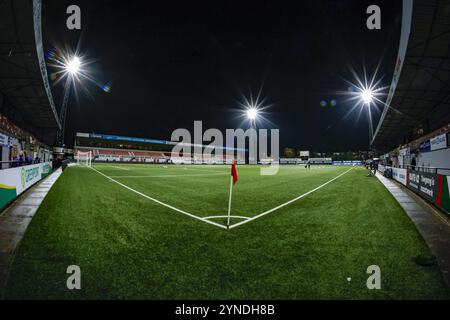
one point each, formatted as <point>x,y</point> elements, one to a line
<point>128,149</point>
<point>28,117</point>
<point>28,120</point>
<point>25,97</point>
<point>418,100</point>
<point>413,131</point>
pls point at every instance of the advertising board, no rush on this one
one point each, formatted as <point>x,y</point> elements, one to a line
<point>14,181</point>
<point>400,175</point>
<point>423,183</point>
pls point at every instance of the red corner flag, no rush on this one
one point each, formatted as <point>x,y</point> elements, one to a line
<point>234,172</point>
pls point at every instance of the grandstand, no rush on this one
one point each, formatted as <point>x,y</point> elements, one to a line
<point>412,135</point>
<point>112,148</point>
<point>28,119</point>
<point>418,99</point>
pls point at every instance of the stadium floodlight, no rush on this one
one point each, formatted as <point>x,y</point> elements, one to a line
<point>71,68</point>
<point>252,113</point>
<point>367,96</point>
<point>253,110</point>
<point>73,65</point>
<point>365,93</point>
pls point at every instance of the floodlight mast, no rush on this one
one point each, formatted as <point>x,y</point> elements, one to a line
<point>63,112</point>
<point>72,68</point>
<point>367,99</point>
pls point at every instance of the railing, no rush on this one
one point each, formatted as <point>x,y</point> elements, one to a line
<point>17,163</point>
<point>434,170</point>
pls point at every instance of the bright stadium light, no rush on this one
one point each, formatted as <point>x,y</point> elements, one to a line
<point>367,96</point>
<point>253,110</point>
<point>73,65</point>
<point>252,113</point>
<point>70,68</point>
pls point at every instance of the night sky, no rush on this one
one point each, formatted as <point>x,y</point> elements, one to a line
<point>173,62</point>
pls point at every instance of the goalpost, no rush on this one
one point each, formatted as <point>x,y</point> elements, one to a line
<point>84,158</point>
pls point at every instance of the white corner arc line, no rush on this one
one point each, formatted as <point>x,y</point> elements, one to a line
<point>160,202</point>
<point>225,216</point>
<point>288,202</point>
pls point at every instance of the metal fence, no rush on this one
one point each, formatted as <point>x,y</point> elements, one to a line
<point>17,163</point>
<point>435,170</point>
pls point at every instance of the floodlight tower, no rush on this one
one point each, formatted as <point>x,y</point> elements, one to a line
<point>72,69</point>
<point>367,98</point>
<point>252,116</point>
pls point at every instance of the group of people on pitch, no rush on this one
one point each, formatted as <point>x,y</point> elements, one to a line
<point>308,165</point>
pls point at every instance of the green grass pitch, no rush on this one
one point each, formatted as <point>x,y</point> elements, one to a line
<point>130,247</point>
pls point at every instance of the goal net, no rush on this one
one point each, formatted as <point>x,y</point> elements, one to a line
<point>84,158</point>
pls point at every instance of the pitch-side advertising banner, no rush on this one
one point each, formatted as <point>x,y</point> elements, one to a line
<point>439,142</point>
<point>347,163</point>
<point>404,152</point>
<point>304,153</point>
<point>14,181</point>
<point>423,183</point>
<point>400,175</point>
<point>425,146</point>
<point>4,140</point>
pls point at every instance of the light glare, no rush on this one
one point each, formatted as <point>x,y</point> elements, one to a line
<point>73,66</point>
<point>252,113</point>
<point>367,96</point>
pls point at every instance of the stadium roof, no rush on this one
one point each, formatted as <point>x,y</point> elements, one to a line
<point>22,82</point>
<point>420,90</point>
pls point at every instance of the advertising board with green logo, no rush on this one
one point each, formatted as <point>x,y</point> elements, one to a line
<point>14,181</point>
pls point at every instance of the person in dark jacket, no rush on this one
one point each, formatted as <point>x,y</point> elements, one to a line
<point>21,159</point>
<point>27,159</point>
<point>15,162</point>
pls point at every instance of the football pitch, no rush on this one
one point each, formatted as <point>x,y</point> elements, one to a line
<point>159,232</point>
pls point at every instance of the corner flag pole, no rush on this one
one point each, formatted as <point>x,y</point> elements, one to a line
<point>229,201</point>
<point>233,180</point>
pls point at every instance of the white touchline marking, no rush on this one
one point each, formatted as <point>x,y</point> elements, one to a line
<point>203,170</point>
<point>288,202</point>
<point>111,166</point>
<point>174,175</point>
<point>119,168</point>
<point>160,202</point>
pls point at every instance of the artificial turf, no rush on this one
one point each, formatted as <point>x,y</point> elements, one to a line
<point>129,247</point>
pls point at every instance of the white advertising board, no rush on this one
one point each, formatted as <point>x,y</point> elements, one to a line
<point>439,142</point>
<point>14,181</point>
<point>304,153</point>
<point>401,175</point>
